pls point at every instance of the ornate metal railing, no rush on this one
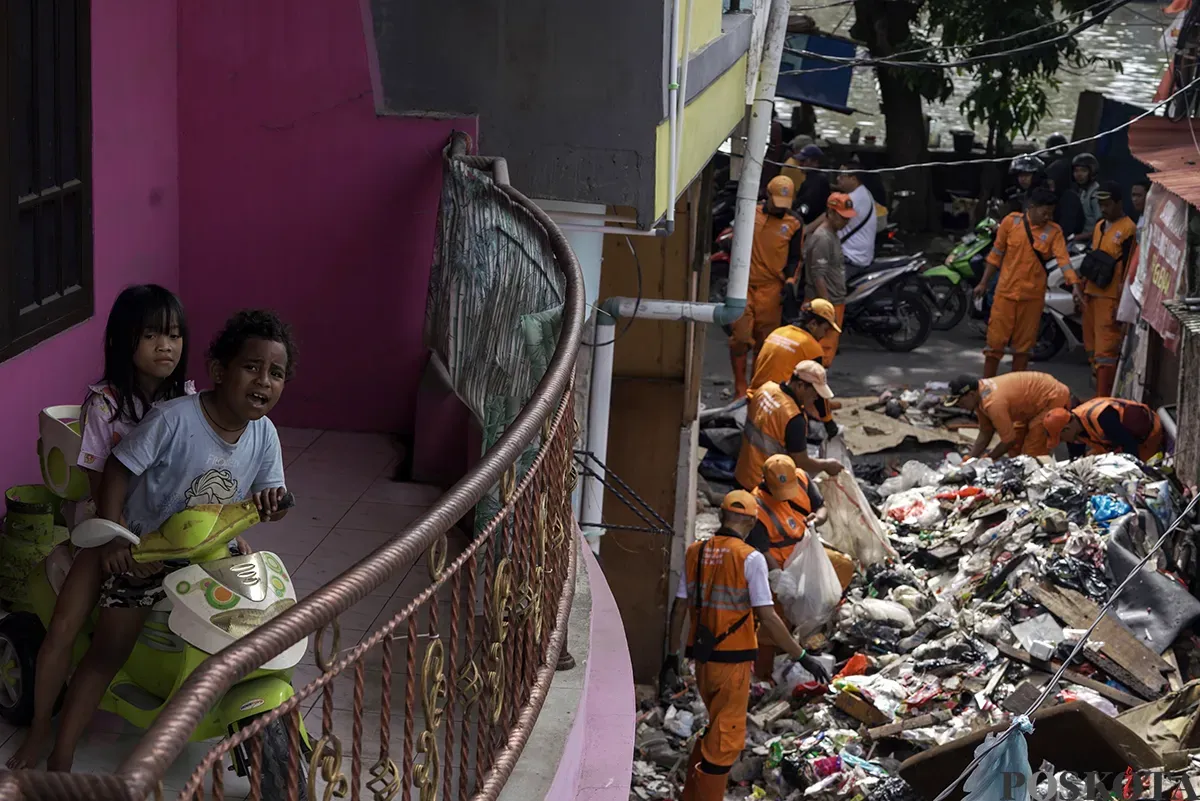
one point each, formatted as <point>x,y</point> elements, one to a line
<point>452,682</point>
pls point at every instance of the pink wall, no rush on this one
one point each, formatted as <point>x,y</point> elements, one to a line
<point>135,198</point>
<point>297,197</point>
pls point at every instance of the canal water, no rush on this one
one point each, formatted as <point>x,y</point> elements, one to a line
<point>1132,34</point>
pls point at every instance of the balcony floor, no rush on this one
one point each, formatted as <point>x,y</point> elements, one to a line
<point>346,506</point>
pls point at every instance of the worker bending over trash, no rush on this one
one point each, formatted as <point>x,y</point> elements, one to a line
<point>1013,405</point>
<point>724,586</point>
<point>777,423</point>
<point>1108,425</point>
<point>789,505</point>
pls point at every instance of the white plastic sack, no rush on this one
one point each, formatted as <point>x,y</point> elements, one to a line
<point>817,591</point>
<point>852,527</point>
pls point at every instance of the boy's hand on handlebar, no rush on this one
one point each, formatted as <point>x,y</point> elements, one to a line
<point>146,570</point>
<point>117,557</point>
<point>267,502</point>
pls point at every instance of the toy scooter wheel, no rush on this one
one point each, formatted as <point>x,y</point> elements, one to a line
<point>275,747</point>
<point>21,636</point>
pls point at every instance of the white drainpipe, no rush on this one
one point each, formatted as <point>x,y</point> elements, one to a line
<point>739,269</point>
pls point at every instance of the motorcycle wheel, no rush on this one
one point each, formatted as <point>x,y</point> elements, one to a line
<point>916,321</point>
<point>1049,342</point>
<point>952,299</point>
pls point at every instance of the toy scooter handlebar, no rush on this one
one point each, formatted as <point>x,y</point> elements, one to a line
<point>185,534</point>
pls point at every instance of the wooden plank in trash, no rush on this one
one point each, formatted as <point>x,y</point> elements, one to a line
<point>1123,656</point>
<point>892,729</point>
<point>1111,693</point>
<point>860,710</point>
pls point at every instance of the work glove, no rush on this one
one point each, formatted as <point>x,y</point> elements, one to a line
<point>813,666</point>
<point>668,676</point>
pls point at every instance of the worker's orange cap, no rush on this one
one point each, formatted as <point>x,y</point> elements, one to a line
<point>1055,421</point>
<point>782,191</point>
<point>840,203</point>
<point>779,473</point>
<point>740,502</point>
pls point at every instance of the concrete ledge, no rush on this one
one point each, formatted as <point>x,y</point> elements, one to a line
<point>581,747</point>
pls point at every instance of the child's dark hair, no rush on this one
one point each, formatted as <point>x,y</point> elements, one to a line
<point>137,310</point>
<point>253,324</point>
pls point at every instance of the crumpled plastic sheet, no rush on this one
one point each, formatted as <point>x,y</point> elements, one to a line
<point>877,610</point>
<point>993,775</point>
<point>1071,499</point>
<point>915,507</point>
<point>1105,508</point>
<point>1075,574</point>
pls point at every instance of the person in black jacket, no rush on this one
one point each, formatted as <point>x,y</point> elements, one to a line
<point>1068,212</point>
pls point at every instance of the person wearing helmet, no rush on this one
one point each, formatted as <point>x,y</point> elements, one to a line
<point>1085,169</point>
<point>1027,171</point>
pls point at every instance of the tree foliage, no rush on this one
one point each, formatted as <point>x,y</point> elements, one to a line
<point>1010,94</point>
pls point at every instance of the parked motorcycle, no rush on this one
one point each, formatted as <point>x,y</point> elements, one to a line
<point>952,281</point>
<point>890,301</point>
<point>1062,324</point>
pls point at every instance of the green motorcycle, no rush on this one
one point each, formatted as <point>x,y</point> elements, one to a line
<point>953,280</point>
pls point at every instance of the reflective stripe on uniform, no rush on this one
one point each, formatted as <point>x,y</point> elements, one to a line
<point>758,439</point>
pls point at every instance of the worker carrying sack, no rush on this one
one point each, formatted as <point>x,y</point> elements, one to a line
<point>1100,267</point>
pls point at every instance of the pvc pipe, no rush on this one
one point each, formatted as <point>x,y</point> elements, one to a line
<point>604,229</point>
<point>756,150</point>
<point>580,216</point>
<point>673,116</point>
<point>592,505</point>
<point>681,100</point>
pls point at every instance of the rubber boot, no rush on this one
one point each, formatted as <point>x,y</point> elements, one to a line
<point>701,786</point>
<point>1106,377</point>
<point>764,663</point>
<point>991,366</point>
<point>692,766</point>
<point>740,385</point>
<point>1020,362</point>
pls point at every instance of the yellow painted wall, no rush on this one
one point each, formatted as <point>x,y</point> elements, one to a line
<point>706,22</point>
<point>707,122</point>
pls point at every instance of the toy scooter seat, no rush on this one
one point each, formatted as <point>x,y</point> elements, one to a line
<point>58,451</point>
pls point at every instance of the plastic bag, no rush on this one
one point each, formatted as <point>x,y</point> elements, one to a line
<point>818,589</point>
<point>852,527</point>
<point>994,777</point>
<point>1105,508</point>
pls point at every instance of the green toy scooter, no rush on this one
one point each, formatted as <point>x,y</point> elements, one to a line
<point>210,604</point>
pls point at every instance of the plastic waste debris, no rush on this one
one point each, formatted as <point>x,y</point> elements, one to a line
<point>999,761</point>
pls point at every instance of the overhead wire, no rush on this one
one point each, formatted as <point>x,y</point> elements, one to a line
<point>847,63</point>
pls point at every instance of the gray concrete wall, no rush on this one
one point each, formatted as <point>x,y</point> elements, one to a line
<point>569,93</point>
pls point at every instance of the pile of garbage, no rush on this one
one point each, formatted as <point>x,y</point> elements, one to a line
<point>975,581</point>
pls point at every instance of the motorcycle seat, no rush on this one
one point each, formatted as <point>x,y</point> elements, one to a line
<point>888,262</point>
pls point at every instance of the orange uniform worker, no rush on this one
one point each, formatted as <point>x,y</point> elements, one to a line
<point>774,259</point>
<point>1113,237</point>
<point>777,422</point>
<point>1013,405</point>
<point>725,590</point>
<point>1024,242</point>
<point>1108,425</point>
<point>789,345</point>
<point>788,504</point>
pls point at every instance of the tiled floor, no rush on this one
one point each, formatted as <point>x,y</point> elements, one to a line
<point>347,506</point>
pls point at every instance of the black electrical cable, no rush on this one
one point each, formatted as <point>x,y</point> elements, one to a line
<point>636,305</point>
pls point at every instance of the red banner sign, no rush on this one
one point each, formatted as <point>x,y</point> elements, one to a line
<point>1163,257</point>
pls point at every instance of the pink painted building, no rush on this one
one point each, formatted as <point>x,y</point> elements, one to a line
<point>235,156</point>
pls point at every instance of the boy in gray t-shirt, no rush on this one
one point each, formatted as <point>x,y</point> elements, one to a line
<point>177,460</point>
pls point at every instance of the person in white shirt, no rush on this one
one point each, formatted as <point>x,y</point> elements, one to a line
<point>858,240</point>
<point>1138,193</point>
